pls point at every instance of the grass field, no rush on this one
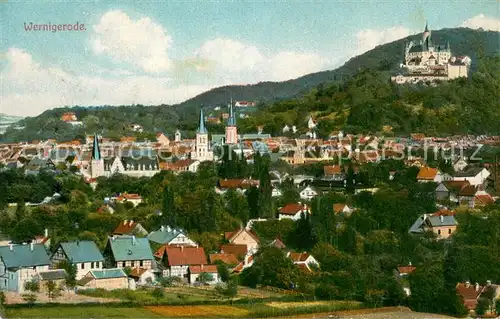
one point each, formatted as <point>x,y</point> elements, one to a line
<point>254,310</point>
<point>96,312</point>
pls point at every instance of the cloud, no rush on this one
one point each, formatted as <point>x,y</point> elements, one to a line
<point>239,62</point>
<point>29,89</point>
<point>140,42</point>
<point>482,21</point>
<point>368,39</point>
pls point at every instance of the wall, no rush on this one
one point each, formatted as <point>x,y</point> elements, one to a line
<point>135,263</point>
<point>108,284</point>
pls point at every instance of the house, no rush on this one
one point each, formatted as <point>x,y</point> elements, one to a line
<point>442,226</point>
<point>142,276</point>
<point>303,260</point>
<point>83,254</point>
<point>403,271</point>
<point>334,172</point>
<point>277,243</point>
<point>449,190</point>
<point>129,251</point>
<point>58,276</point>
<point>236,184</point>
<point>342,209</point>
<point>109,279</point>
<point>276,192</point>
<point>195,271</point>
<point>226,258</point>
<point>293,211</point>
<point>178,259</point>
<point>162,139</point>
<point>308,193</point>
<point>20,264</point>
<point>244,237</point>
<point>170,236</point>
<point>469,293</point>
<point>183,165</point>
<point>429,174</point>
<point>129,227</point>
<point>474,175</point>
<point>135,199</point>
<point>247,262</point>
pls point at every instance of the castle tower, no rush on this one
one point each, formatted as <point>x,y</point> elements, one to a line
<point>231,129</point>
<point>97,162</point>
<point>202,151</point>
<point>177,137</point>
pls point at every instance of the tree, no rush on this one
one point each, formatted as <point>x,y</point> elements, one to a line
<point>482,306</point>
<point>303,233</point>
<point>223,272</point>
<point>205,277</point>
<point>53,291</point>
<point>158,293</point>
<point>33,287</point>
<point>70,279</point>
<point>228,289</point>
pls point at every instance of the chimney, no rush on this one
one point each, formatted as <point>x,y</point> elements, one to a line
<point>168,229</point>
<point>201,267</point>
<point>182,248</point>
<point>409,264</point>
<point>11,247</point>
<point>133,240</point>
<point>162,228</point>
<point>441,218</point>
<point>46,233</point>
<point>476,287</point>
<point>488,283</point>
<point>467,284</point>
<point>425,216</point>
<point>125,222</point>
<point>31,246</point>
<point>131,222</point>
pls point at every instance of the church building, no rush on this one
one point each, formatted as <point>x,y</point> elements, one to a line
<point>202,149</point>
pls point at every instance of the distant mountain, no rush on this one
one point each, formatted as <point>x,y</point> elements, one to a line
<point>387,57</point>
<point>7,120</point>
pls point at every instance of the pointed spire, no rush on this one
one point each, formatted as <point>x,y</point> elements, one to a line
<point>426,27</point>
<point>96,152</point>
<point>201,127</point>
<point>231,121</point>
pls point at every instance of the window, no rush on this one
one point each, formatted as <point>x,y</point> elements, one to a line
<point>132,264</point>
<point>439,231</point>
<point>83,265</point>
<point>141,263</point>
<point>123,264</point>
<point>92,265</point>
<point>449,231</point>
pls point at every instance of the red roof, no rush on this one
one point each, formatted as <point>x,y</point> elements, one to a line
<point>277,243</point>
<point>299,257</point>
<point>406,269</point>
<point>128,197</point>
<point>444,212</point>
<point>125,228</point>
<point>338,208</point>
<point>203,268</point>
<point>137,272</point>
<point>230,236</point>
<point>227,258</point>
<point>238,183</point>
<point>304,268</point>
<point>237,250</point>
<point>470,190</point>
<point>292,209</point>
<point>332,169</point>
<point>485,199</point>
<point>427,173</point>
<point>181,256</point>
<point>469,294</point>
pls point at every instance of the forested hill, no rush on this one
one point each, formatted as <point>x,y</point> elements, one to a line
<point>387,57</point>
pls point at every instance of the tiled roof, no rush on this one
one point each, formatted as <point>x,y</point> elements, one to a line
<point>299,257</point>
<point>444,212</point>
<point>125,228</point>
<point>292,209</point>
<point>332,169</point>
<point>456,186</point>
<point>164,236</point>
<point>238,183</point>
<point>470,190</point>
<point>82,251</point>
<point>130,248</point>
<point>485,199</point>
<point>227,258</point>
<point>438,221</point>
<point>53,274</point>
<point>230,236</point>
<point>181,256</point>
<point>427,173</point>
<point>23,256</point>
<point>197,269</point>
<point>406,269</point>
<point>469,294</point>
<point>137,272</point>
<point>338,207</point>
<point>238,250</point>
<point>108,273</point>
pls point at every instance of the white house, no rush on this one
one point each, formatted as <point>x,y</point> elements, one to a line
<point>475,176</point>
<point>178,259</point>
<point>308,193</point>
<point>83,254</point>
<point>170,236</point>
<point>20,264</point>
<point>276,192</point>
<point>143,276</point>
<point>196,270</point>
<point>293,211</point>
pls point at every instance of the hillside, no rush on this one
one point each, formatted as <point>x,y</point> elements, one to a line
<point>463,41</point>
<point>384,59</point>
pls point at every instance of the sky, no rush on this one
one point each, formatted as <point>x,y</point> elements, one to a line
<point>165,52</point>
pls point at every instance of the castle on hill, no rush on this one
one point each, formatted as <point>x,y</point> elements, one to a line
<point>426,62</point>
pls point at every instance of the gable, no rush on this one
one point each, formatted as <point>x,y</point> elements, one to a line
<point>442,188</point>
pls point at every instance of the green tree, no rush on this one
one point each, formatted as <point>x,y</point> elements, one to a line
<point>158,294</point>
<point>205,277</point>
<point>70,278</point>
<point>223,272</point>
<point>53,291</point>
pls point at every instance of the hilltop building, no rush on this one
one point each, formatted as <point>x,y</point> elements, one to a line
<point>202,149</point>
<point>425,61</point>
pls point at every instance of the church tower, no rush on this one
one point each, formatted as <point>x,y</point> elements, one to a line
<point>97,162</point>
<point>426,37</point>
<point>202,151</point>
<point>231,129</point>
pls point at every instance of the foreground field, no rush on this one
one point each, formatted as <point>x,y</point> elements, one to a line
<point>255,310</point>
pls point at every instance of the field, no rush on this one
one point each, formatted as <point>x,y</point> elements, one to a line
<point>253,310</point>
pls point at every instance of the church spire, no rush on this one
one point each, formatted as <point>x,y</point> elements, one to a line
<point>201,126</point>
<point>96,152</point>
<point>231,120</point>
<point>426,27</point>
